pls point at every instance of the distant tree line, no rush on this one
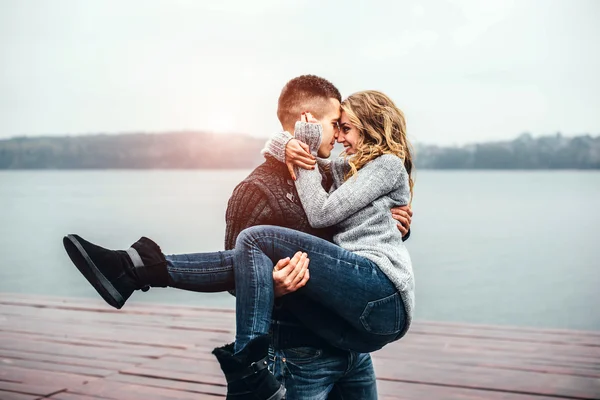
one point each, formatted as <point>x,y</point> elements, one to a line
<point>198,150</point>
<point>185,150</point>
<point>524,152</point>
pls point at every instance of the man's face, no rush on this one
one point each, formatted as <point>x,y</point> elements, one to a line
<point>330,122</point>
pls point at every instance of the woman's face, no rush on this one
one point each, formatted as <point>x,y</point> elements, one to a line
<point>348,135</point>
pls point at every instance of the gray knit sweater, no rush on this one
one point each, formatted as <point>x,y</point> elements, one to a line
<point>359,207</point>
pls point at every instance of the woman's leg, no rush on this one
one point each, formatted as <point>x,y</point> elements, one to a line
<point>342,282</point>
<point>201,272</point>
<point>116,274</point>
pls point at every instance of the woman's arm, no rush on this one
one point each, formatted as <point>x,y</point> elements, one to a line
<point>285,149</point>
<point>275,146</point>
<point>377,178</point>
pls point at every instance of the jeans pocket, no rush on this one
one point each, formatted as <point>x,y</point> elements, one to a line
<point>302,355</point>
<point>384,316</point>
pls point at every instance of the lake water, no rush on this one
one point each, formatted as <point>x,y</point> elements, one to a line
<point>515,248</point>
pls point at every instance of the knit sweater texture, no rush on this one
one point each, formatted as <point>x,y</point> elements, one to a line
<point>359,208</point>
<point>267,197</point>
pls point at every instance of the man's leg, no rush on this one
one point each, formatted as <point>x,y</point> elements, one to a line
<point>309,372</point>
<point>359,383</point>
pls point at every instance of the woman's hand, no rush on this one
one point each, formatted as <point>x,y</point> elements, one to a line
<point>297,153</point>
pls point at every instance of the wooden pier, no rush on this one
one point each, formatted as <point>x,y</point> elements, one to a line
<point>75,349</point>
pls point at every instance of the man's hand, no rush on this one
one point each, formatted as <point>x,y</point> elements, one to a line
<point>298,153</point>
<point>404,216</point>
<point>290,275</point>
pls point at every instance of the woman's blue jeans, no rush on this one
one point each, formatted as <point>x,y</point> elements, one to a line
<point>347,300</point>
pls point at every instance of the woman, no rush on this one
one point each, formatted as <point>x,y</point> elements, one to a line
<point>366,277</point>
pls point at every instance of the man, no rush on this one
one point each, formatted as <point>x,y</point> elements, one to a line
<point>309,367</point>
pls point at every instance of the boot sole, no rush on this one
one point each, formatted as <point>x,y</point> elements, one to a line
<point>88,269</point>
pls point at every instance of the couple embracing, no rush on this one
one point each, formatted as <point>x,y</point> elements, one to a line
<point>315,251</point>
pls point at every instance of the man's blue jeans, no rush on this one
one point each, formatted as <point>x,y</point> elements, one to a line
<point>324,374</point>
<point>371,312</point>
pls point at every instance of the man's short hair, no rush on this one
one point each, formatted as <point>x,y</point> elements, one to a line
<point>305,93</point>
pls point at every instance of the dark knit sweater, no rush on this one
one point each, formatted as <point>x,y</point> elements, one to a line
<point>267,196</point>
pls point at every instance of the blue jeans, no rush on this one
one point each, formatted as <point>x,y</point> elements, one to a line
<point>344,284</point>
<point>324,374</point>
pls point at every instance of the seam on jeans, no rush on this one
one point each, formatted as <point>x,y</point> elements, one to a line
<point>199,272</point>
<point>255,282</point>
<point>318,252</point>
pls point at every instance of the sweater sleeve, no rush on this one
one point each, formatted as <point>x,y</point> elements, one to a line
<point>377,178</point>
<point>275,146</point>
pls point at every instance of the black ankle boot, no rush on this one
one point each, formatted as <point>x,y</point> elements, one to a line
<point>116,274</point>
<point>248,377</point>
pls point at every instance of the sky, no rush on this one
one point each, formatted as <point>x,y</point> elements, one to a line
<point>463,71</point>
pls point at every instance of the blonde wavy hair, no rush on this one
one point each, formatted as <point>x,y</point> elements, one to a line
<point>382,130</point>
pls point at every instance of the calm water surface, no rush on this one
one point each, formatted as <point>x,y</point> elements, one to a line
<point>515,248</point>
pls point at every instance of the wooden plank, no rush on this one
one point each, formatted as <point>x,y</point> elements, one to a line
<point>543,361</point>
<point>412,391</point>
<point>56,367</point>
<point>492,379</point>
<point>17,396</point>
<point>195,319</point>
<point>66,360</point>
<point>510,335</point>
<point>120,390</point>
<point>31,388</point>
<point>138,354</point>
<point>28,377</point>
<point>477,349</point>
<point>72,396</point>
<point>210,376</point>
<point>119,334</point>
<point>100,306</point>
<point>214,388</point>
